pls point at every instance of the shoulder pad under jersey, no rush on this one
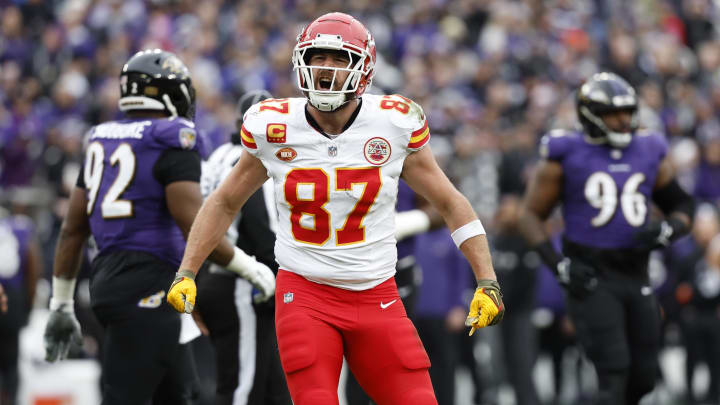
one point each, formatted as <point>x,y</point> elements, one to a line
<point>177,133</point>
<point>656,141</point>
<point>408,116</point>
<point>260,116</point>
<point>555,144</point>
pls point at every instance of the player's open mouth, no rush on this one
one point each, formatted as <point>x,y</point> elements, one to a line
<point>324,83</point>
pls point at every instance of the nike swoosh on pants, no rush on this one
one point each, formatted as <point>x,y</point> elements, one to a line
<point>383,306</point>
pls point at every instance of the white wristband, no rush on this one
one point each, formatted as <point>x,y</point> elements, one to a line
<point>467,231</point>
<point>63,306</point>
<point>63,289</point>
<point>63,292</point>
<point>410,223</point>
<point>240,263</point>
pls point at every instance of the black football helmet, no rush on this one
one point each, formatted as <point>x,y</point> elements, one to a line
<point>249,99</point>
<point>601,94</point>
<point>246,101</point>
<point>154,79</point>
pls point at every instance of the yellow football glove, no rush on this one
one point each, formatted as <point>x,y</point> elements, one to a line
<point>486,308</point>
<point>183,291</point>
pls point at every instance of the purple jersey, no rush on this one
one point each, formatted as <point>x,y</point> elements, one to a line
<point>445,274</point>
<point>707,186</point>
<point>126,203</point>
<point>15,235</point>
<point>606,192</point>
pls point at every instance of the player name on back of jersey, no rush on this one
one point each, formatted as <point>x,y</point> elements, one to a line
<point>118,130</point>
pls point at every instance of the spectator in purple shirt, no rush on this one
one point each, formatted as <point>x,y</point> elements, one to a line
<point>440,309</point>
<point>707,186</point>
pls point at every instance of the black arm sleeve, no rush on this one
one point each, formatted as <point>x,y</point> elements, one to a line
<point>254,234</point>
<point>549,255</point>
<point>177,165</point>
<point>672,198</point>
<point>81,178</point>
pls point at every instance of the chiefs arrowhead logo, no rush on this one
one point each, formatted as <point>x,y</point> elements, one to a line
<point>286,154</point>
<point>377,150</point>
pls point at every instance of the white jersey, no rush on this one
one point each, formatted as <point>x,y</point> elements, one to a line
<point>336,197</point>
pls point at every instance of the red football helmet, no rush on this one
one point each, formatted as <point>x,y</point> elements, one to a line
<point>336,31</point>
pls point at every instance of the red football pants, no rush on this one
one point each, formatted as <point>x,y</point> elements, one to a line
<point>317,324</point>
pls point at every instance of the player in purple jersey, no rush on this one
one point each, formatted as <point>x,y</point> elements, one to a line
<point>20,268</point>
<point>137,196</point>
<point>605,177</point>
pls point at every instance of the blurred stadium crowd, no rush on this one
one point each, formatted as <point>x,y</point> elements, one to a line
<point>492,76</point>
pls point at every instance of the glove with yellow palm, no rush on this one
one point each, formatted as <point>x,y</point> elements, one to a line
<point>183,292</point>
<point>486,308</point>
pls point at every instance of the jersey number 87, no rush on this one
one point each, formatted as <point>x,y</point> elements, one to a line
<point>352,230</point>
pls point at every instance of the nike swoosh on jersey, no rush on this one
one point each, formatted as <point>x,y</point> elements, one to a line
<point>383,306</point>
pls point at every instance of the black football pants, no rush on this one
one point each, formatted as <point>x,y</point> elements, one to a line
<point>618,327</point>
<point>142,359</point>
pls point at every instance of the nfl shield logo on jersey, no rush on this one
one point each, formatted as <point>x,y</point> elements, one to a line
<point>377,150</point>
<point>332,150</point>
<point>288,297</point>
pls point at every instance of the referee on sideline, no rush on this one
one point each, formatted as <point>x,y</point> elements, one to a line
<point>248,364</point>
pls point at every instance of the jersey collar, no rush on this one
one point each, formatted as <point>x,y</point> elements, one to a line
<point>350,121</point>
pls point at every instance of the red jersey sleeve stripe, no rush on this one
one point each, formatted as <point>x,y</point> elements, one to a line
<point>247,138</point>
<point>420,131</point>
<point>419,140</point>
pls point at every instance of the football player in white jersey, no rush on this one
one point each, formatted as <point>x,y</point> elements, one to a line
<point>336,159</point>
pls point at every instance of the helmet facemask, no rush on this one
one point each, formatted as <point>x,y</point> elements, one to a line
<point>614,139</point>
<point>360,68</point>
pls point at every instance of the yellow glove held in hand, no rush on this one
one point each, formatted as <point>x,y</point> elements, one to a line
<point>183,291</point>
<point>486,308</point>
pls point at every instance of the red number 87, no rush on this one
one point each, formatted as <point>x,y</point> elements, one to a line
<point>352,231</point>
